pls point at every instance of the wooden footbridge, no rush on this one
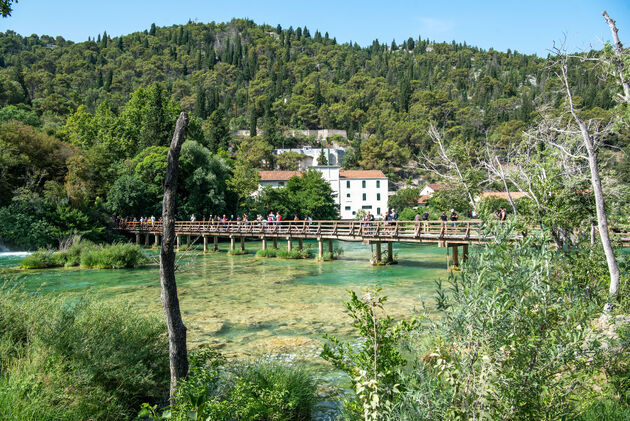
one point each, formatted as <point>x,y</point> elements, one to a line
<point>444,234</point>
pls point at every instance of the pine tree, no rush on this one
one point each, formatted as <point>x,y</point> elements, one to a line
<point>253,119</point>
<point>152,30</point>
<point>200,104</point>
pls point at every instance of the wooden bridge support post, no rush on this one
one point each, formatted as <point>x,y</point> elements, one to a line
<point>275,243</point>
<point>157,240</point>
<point>289,244</point>
<point>232,243</point>
<point>264,243</point>
<point>138,238</point>
<point>179,242</point>
<point>300,245</point>
<point>330,246</point>
<point>455,256</point>
<point>146,239</point>
<point>379,256</point>
<point>205,244</point>
<point>215,243</point>
<point>242,243</point>
<point>390,252</point>
<point>188,241</point>
<point>320,249</point>
<point>465,253</point>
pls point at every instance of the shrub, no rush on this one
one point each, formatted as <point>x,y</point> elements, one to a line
<point>77,360</point>
<point>266,253</point>
<point>294,254</point>
<point>217,390</point>
<point>513,340</point>
<point>375,364</point>
<point>116,256</point>
<point>40,259</point>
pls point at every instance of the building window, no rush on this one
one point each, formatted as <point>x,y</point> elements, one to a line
<point>363,184</point>
<point>347,194</point>
<point>364,196</point>
<point>378,211</point>
<point>347,207</point>
<point>354,212</point>
<point>348,183</point>
<point>367,207</point>
<point>378,196</point>
<point>281,183</point>
<point>378,184</point>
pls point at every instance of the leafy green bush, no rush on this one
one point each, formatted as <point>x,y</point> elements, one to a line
<point>77,360</point>
<point>513,342</point>
<point>40,259</point>
<point>115,256</point>
<point>294,254</point>
<point>217,390</point>
<point>375,364</point>
<point>266,253</point>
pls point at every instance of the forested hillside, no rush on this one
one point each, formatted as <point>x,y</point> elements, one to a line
<point>86,124</point>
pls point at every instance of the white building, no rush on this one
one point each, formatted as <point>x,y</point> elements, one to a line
<point>354,189</point>
<point>334,156</point>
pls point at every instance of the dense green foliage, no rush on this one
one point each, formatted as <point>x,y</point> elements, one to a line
<point>520,337</point>
<point>88,255</point>
<point>217,390</point>
<point>87,124</point>
<point>78,360</point>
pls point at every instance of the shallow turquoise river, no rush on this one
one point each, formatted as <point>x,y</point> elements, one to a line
<point>249,307</point>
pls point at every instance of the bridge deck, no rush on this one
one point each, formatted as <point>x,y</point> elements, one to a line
<point>373,231</point>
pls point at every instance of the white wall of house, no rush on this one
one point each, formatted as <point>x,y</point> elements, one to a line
<point>369,194</point>
<point>350,194</point>
<point>427,191</point>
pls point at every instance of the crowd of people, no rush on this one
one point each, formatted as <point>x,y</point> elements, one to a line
<point>390,215</point>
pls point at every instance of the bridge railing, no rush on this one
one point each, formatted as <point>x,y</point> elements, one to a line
<point>386,229</point>
<point>461,230</point>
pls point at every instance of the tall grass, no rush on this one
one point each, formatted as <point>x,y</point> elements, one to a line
<point>261,390</point>
<point>295,254</point>
<point>266,253</point>
<point>78,360</point>
<point>87,254</point>
<point>116,256</point>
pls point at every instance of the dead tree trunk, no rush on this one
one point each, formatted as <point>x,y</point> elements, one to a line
<point>596,183</point>
<point>178,354</point>
<point>625,85</point>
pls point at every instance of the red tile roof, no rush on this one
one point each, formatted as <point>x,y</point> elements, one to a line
<point>437,186</point>
<point>503,195</point>
<point>423,199</point>
<point>277,175</point>
<point>361,174</point>
<point>285,175</point>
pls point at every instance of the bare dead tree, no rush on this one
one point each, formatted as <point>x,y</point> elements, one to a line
<point>596,182</point>
<point>496,171</point>
<point>444,166</point>
<point>618,60</point>
<point>178,353</point>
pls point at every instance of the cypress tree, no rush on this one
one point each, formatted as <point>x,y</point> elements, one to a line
<point>152,30</point>
<point>253,119</point>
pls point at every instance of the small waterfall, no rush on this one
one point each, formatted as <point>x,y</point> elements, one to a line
<point>3,248</point>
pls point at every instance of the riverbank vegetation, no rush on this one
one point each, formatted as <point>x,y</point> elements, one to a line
<point>260,390</point>
<point>78,359</point>
<point>86,254</point>
<point>520,336</point>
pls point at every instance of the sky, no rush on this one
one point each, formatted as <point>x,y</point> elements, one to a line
<point>525,26</point>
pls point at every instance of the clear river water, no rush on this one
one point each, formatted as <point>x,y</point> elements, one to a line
<point>250,307</point>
